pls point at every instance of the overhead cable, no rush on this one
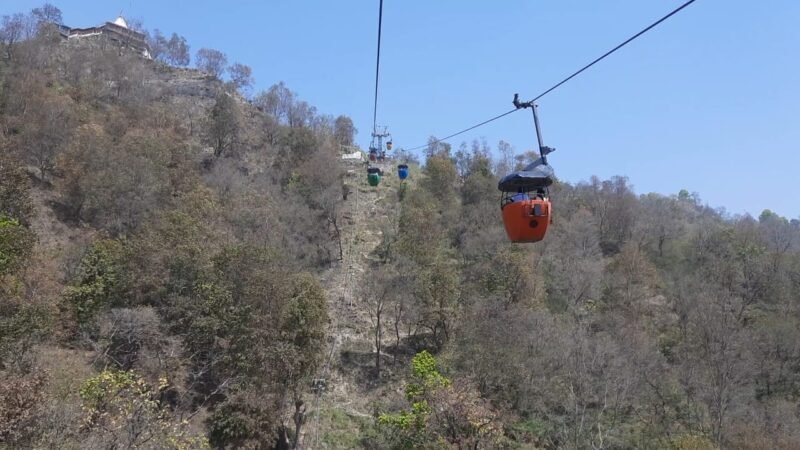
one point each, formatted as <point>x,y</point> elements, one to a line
<point>377,70</point>
<point>557,85</point>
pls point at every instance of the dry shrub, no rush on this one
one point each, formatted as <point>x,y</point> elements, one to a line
<point>20,400</point>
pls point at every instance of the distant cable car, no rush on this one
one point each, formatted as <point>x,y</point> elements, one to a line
<point>525,203</point>
<point>374,176</point>
<point>402,171</point>
<point>388,145</point>
<point>373,154</point>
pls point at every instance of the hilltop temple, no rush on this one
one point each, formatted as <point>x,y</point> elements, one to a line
<point>116,31</point>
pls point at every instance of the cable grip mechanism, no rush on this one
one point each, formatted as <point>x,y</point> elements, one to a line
<point>543,149</point>
<point>518,104</point>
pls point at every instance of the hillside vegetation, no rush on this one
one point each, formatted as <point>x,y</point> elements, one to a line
<point>187,264</point>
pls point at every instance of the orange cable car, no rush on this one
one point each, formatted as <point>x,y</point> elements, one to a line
<point>525,204</point>
<point>526,218</point>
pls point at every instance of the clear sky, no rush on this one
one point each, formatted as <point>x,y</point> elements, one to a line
<point>709,101</point>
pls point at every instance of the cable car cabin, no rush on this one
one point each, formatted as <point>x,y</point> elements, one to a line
<point>374,176</point>
<point>389,145</point>
<point>525,204</point>
<point>402,171</point>
<point>526,216</point>
<point>373,154</point>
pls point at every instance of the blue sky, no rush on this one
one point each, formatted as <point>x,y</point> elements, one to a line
<point>709,101</point>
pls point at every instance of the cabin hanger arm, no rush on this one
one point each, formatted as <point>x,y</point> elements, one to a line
<point>543,149</point>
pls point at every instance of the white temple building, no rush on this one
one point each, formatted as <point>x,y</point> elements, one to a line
<point>116,31</point>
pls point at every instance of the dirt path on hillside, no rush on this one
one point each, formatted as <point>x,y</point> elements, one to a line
<point>336,417</point>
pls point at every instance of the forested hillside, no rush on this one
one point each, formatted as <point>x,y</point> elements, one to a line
<point>185,263</point>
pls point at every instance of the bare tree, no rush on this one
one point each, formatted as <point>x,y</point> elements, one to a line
<point>613,205</point>
<point>322,186</point>
<point>344,131</point>
<point>174,51</point>
<point>211,61</point>
<point>49,127</point>
<point>717,365</point>
<point>158,44</point>
<point>379,292</point>
<point>14,29</point>
<point>277,101</point>
<point>301,114</point>
<point>505,163</point>
<point>660,221</point>
<point>136,24</point>
<point>178,51</point>
<point>576,265</point>
<point>241,76</point>
<point>46,14</point>
<point>524,159</point>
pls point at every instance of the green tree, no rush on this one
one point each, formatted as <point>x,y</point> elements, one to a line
<point>122,410</point>
<point>99,283</point>
<point>174,252</point>
<point>248,418</point>
<point>224,124</point>
<point>516,277</point>
<point>441,178</point>
<point>437,292</point>
<point>302,327</point>
<point>273,323</point>
<point>408,429</point>
<point>421,235</point>
<point>16,245</point>
<point>218,335</point>
<point>15,198</point>
<point>442,414</point>
<point>767,215</point>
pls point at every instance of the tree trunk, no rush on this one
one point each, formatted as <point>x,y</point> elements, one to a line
<point>398,312</point>
<point>378,341</point>
<point>299,418</point>
<point>338,236</point>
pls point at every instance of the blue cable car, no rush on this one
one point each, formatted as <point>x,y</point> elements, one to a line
<point>402,171</point>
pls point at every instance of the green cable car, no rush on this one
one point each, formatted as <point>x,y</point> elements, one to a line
<point>374,176</point>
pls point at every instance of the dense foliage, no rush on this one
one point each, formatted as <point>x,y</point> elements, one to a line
<point>168,244</point>
<point>643,321</point>
<point>156,289</point>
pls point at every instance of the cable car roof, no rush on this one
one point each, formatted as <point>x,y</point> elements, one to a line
<point>536,174</point>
